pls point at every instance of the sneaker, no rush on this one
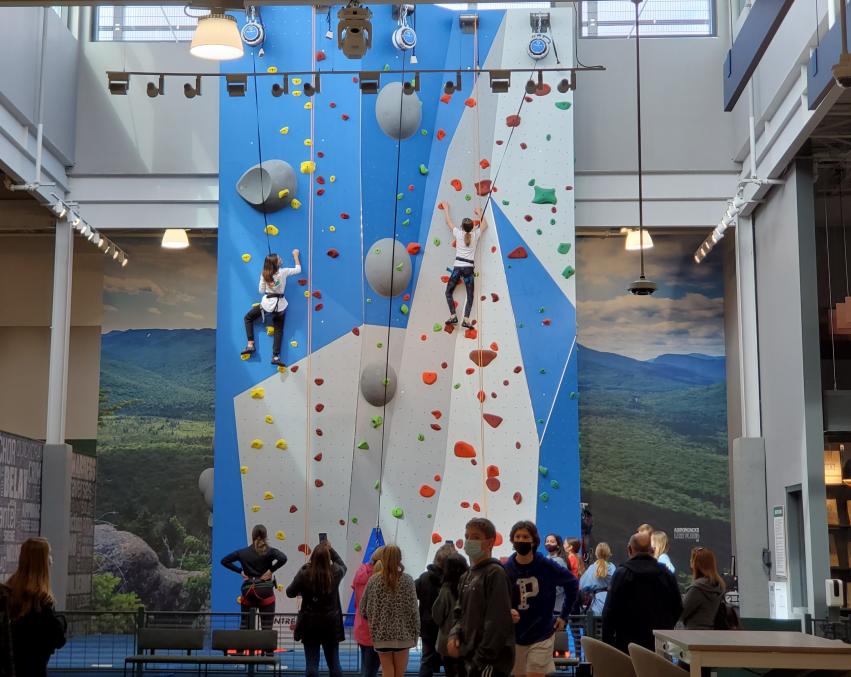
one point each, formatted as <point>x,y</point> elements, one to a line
<point>276,361</point>
<point>466,324</point>
<point>248,350</point>
<point>452,320</point>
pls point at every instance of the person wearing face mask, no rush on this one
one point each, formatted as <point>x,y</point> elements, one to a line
<point>535,579</point>
<point>483,634</point>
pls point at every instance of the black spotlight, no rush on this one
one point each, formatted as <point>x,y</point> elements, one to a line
<point>409,87</point>
<point>311,89</point>
<point>500,81</point>
<point>532,86</point>
<point>119,82</point>
<point>191,92</point>
<point>236,84</point>
<point>354,30</point>
<point>451,87</point>
<point>282,88</point>
<point>154,90</point>
<point>564,85</point>
<point>369,82</point>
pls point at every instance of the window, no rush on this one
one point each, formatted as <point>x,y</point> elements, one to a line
<point>464,6</point>
<point>616,18</point>
<point>142,23</point>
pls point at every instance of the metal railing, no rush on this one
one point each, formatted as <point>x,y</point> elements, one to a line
<point>102,640</point>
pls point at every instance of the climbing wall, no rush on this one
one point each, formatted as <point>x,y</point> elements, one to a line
<point>386,423</point>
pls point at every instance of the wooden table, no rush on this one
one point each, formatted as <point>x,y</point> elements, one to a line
<point>752,649</point>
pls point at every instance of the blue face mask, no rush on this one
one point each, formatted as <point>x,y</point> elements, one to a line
<point>473,549</point>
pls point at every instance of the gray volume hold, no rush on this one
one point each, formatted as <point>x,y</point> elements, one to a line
<point>387,267</point>
<point>269,186</point>
<point>378,383</point>
<point>398,114</point>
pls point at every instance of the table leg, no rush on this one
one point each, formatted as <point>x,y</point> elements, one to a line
<point>659,649</point>
<point>696,667</point>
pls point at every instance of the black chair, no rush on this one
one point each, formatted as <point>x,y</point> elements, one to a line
<point>151,640</point>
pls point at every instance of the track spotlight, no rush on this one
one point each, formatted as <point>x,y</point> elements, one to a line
<point>451,87</point>
<point>312,88</point>
<point>411,86</point>
<point>236,83</point>
<point>283,88</point>
<point>191,92</point>
<point>96,238</point>
<point>119,82</point>
<point>369,82</point>
<point>60,209</point>
<point>532,86</point>
<point>124,260</point>
<point>566,85</point>
<point>74,219</point>
<point>154,90</point>
<point>115,252</point>
<point>354,29</point>
<point>500,81</point>
<point>404,37</point>
<point>217,37</point>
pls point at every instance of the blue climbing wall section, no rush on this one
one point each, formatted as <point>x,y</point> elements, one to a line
<point>300,449</point>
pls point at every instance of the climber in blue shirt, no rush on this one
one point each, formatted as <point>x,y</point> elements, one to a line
<point>534,581</point>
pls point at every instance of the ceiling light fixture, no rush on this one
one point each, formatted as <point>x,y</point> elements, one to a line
<point>636,240</point>
<point>354,30</point>
<point>451,87</point>
<point>217,37</point>
<point>119,82</point>
<point>500,81</point>
<point>191,92</point>
<point>369,82</point>
<point>236,84</point>
<point>175,238</point>
<point>155,90</point>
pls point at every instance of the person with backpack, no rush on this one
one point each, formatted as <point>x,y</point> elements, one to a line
<point>442,612</point>
<point>428,588</point>
<point>594,584</point>
<point>704,597</point>
<point>320,619</point>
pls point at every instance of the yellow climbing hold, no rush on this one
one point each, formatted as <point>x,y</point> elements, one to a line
<point>282,369</point>
<point>332,178</point>
<point>283,193</point>
<point>296,92</point>
<point>308,142</point>
<point>246,257</point>
<point>307,293</point>
<point>269,418</point>
<point>332,228</point>
<point>308,167</point>
<point>280,535</point>
<point>295,204</point>
<point>243,469</point>
<point>270,331</point>
<point>282,444</point>
<point>258,393</point>
<point>294,344</point>
<point>255,508</point>
<point>272,69</point>
<point>268,495</point>
<point>271,230</point>
<point>279,587</point>
<point>244,357</point>
<point>296,81</point>
<point>308,106</point>
<point>285,130</point>
<point>256,444</point>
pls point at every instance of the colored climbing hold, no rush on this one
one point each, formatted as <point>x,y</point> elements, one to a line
<point>470,103</point>
<point>506,202</point>
<point>255,508</point>
<point>484,164</point>
<point>268,496</point>
<point>400,266</point>
<point>542,371</point>
<point>318,484</point>
<point>398,513</point>
<point>512,121</point>
<point>376,421</point>
<point>308,142</point>
<point>423,170</point>
<point>320,55</point>
<point>546,322</point>
<point>469,333</point>
<point>358,547</point>
<point>243,469</point>
<point>284,130</point>
<point>436,427</point>
<point>344,117</point>
<point>269,419</point>
<point>333,253</point>
<point>307,167</point>
<point>256,444</point>
<point>518,253</point>
<point>456,386</point>
<point>573,395</point>
<point>293,509</point>
<point>562,105</point>
<point>482,358</point>
<point>319,407</point>
<point>282,444</point>
<point>271,230</point>
<point>518,498</point>
<point>280,535</point>
<point>456,184</point>
<point>413,248</point>
<point>549,137</point>
<point>363,445</point>
<point>332,228</point>
<point>294,344</point>
<point>523,146</point>
<point>295,204</point>
<point>483,187</point>
<point>308,105</point>
<point>436,242</point>
<point>420,437</point>
<point>445,98</point>
<point>492,420</point>
<point>545,497</point>
<point>426,491</point>
<point>379,345</point>
<point>404,309</point>
<point>528,218</point>
<point>429,377</point>
<point>344,216</point>
<point>477,507</point>
<point>464,450</point>
<point>544,196</point>
<point>257,393</point>
<point>568,272</point>
<point>544,470</point>
<point>493,484</point>
<point>246,258</point>
<point>245,357</point>
<point>436,538</point>
<point>554,484</point>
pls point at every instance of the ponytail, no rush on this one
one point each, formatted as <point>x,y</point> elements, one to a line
<point>603,552</point>
<point>258,539</point>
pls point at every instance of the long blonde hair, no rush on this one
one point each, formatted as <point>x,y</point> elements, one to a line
<point>30,584</point>
<point>659,540</point>
<point>602,552</point>
<point>391,566</point>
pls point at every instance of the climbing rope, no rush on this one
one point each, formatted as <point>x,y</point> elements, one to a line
<point>260,153</point>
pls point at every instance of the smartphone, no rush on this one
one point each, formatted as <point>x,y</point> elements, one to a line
<point>450,542</point>
<point>323,537</point>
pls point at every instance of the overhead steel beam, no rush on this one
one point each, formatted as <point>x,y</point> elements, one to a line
<point>226,4</point>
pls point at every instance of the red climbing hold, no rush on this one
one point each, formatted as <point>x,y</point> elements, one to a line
<point>483,187</point>
<point>445,98</point>
<point>333,253</point>
<point>319,381</point>
<point>304,548</point>
<point>441,134</point>
<point>423,337</point>
<point>517,445</point>
<point>484,164</point>
<point>493,395</point>
<point>302,282</point>
<point>518,369</point>
<point>437,414</point>
<point>518,497</point>
<point>318,483</point>
<point>294,369</point>
<point>528,99</point>
<point>437,478</point>
<point>493,249</point>
<point>523,146</point>
<point>411,187</point>
<point>429,377</point>
<point>482,358</point>
<point>546,322</point>
<point>344,215</point>
<point>494,297</point>
<point>528,218</point>
<point>492,471</point>
<point>342,523</point>
<point>332,105</point>
<point>543,90</point>
<point>505,382</point>
<point>568,187</point>
<point>456,184</point>
<point>436,538</point>
<point>444,365</point>
<point>318,457</point>
<point>499,142</point>
<point>319,306</point>
<point>495,346</point>
<point>320,180</point>
<point>449,328</point>
<point>293,509</point>
<point>470,103</point>
<point>440,206</point>
<point>320,55</point>
<point>471,334</point>
<point>413,248</point>
<point>493,484</point>
<point>518,253</point>
<point>444,278</point>
<point>492,420</point>
<point>319,407</point>
<point>477,507</point>
<point>464,450</point>
<point>406,297</point>
<point>465,504</point>
<point>426,491</point>
<point>469,371</point>
<point>317,294</point>
<point>320,154</point>
<point>511,121</point>
<point>344,117</point>
<point>319,432</point>
<point>436,427</point>
<point>481,396</point>
<point>356,331</point>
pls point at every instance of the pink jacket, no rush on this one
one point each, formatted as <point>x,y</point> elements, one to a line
<point>362,634</point>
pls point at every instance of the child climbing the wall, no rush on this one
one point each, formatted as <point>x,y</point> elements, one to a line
<point>273,281</point>
<point>466,239</point>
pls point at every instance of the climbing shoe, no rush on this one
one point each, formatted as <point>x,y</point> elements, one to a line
<point>452,320</point>
<point>248,350</point>
<point>276,361</point>
<point>466,324</point>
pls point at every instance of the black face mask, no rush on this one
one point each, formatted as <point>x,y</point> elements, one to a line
<point>522,547</point>
<point>552,547</point>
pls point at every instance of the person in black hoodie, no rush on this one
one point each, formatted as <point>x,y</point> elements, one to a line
<point>258,562</point>
<point>643,597</point>
<point>483,634</point>
<point>704,595</point>
<point>36,629</point>
<point>428,588</point>
<point>320,618</point>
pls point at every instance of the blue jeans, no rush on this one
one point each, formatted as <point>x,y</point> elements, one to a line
<point>369,661</point>
<point>332,658</point>
<point>465,274</point>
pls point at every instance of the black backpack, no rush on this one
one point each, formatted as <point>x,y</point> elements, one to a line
<point>726,618</point>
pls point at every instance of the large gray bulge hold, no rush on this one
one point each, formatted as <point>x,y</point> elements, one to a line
<point>388,267</point>
<point>372,385</point>
<point>262,184</point>
<point>387,111</point>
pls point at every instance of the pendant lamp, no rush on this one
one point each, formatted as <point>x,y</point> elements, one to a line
<point>175,238</point>
<point>642,286</point>
<point>636,240</point>
<point>217,37</point>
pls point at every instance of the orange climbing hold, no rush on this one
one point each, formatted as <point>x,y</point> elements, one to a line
<point>445,98</point>
<point>437,414</point>
<point>456,184</point>
<point>492,420</point>
<point>470,103</point>
<point>464,450</point>
<point>414,248</point>
<point>471,334</point>
<point>426,491</point>
<point>511,121</point>
<point>436,538</point>
<point>484,164</point>
<point>429,377</point>
<point>481,396</point>
<point>482,358</point>
<point>441,134</point>
<point>492,471</point>
<point>518,253</point>
<point>499,540</point>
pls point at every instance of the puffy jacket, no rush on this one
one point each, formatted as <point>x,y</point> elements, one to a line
<point>362,575</point>
<point>34,639</point>
<point>320,618</point>
<point>700,605</point>
<point>428,588</point>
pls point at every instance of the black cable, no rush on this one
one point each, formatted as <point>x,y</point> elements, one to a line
<point>260,155</point>
<point>577,29</point>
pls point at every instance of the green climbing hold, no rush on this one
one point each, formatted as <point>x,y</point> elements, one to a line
<point>364,445</point>
<point>429,516</point>
<point>379,345</point>
<point>552,222</point>
<point>368,299</point>
<point>398,513</point>
<point>506,202</point>
<point>520,325</point>
<point>554,484</point>
<point>545,196</point>
<point>377,421</point>
<point>406,222</point>
<point>544,497</point>
<point>531,182</point>
<point>544,470</point>
<point>407,210</point>
<point>562,105</point>
<point>436,242</point>
<point>540,421</point>
<point>354,520</point>
<point>424,132</point>
<point>573,395</point>
<point>539,231</point>
<point>423,170</point>
<point>437,327</point>
<point>400,196</point>
<point>376,251</point>
<point>404,309</point>
<point>456,386</point>
<point>420,437</point>
<point>568,272</point>
<point>542,310</point>
<point>400,266</point>
<point>387,67</point>
<point>549,137</point>
<point>542,371</point>
<point>358,547</point>
<point>377,485</point>
<point>386,381</point>
<point>468,197</point>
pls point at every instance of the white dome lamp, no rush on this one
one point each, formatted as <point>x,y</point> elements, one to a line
<point>175,238</point>
<point>217,37</point>
<point>636,240</point>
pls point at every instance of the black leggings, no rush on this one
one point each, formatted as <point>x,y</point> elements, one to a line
<point>466,274</point>
<point>277,322</point>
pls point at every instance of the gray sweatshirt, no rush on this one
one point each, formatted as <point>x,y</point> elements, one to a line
<point>700,605</point>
